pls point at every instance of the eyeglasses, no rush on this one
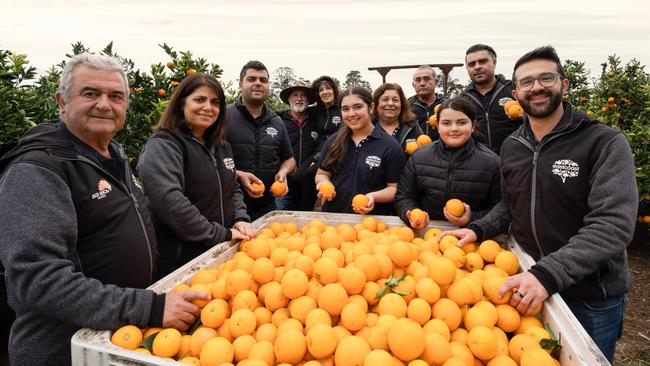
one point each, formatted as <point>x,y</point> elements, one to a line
<point>546,80</point>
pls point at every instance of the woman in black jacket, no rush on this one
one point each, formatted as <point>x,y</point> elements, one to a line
<point>456,166</point>
<point>394,115</point>
<point>188,175</point>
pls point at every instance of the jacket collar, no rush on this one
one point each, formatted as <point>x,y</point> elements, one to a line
<point>501,80</point>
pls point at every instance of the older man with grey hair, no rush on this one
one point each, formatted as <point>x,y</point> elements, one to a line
<point>76,238</point>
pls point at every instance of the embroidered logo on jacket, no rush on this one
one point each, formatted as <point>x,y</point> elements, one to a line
<point>504,100</point>
<point>230,164</point>
<point>566,169</point>
<point>314,135</point>
<point>336,120</point>
<point>373,161</point>
<point>271,131</point>
<point>103,188</point>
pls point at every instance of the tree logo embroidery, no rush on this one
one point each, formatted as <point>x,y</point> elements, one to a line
<point>314,135</point>
<point>271,131</point>
<point>336,120</point>
<point>230,164</point>
<point>566,169</point>
<point>103,188</point>
<point>373,161</point>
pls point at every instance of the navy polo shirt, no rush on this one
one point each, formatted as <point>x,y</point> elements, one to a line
<point>368,167</point>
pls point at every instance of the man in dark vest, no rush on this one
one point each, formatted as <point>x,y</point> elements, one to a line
<point>259,139</point>
<point>76,237</point>
<point>425,99</point>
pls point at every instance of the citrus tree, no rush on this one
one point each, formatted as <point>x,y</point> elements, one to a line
<point>620,98</point>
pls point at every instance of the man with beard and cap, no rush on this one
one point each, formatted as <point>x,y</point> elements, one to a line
<point>490,93</point>
<point>304,137</point>
<point>568,185</point>
<point>425,99</point>
<point>259,140</point>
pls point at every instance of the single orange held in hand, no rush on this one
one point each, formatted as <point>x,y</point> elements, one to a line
<point>455,207</point>
<point>258,186</point>
<point>278,188</point>
<point>359,201</point>
<point>326,189</point>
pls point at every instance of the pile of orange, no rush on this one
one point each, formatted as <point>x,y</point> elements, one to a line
<point>308,296</point>
<point>513,109</point>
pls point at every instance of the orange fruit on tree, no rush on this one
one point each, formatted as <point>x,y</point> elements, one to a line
<point>488,249</point>
<point>278,188</point>
<point>406,339</point>
<point>290,346</point>
<point>423,140</point>
<point>482,342</point>
<point>214,313</point>
<point>167,343</point>
<point>162,92</point>
<point>217,351</point>
<point>507,261</point>
<point>128,337</point>
<point>455,207</point>
<point>190,71</point>
<point>351,351</point>
<point>360,201</point>
<point>411,147</point>
<point>326,189</point>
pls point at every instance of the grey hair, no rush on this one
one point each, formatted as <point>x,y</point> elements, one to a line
<point>94,61</point>
<point>429,68</point>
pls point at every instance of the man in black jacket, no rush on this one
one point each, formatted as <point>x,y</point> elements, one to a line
<point>490,93</point>
<point>569,188</point>
<point>304,136</point>
<point>425,99</point>
<point>76,238</point>
<point>259,140</point>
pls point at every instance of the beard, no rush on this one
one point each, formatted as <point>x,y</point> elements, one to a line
<point>298,108</point>
<point>555,99</point>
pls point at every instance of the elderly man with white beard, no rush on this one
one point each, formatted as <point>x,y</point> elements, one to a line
<point>304,137</point>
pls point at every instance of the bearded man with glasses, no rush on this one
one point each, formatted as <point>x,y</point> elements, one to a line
<point>569,188</point>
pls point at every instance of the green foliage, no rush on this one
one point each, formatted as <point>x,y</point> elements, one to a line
<point>16,98</point>
<point>619,98</point>
<point>353,78</point>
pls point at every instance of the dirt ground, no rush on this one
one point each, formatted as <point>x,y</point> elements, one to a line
<point>633,349</point>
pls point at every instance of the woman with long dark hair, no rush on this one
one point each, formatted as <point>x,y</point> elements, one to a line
<point>360,159</point>
<point>188,174</point>
<point>455,166</point>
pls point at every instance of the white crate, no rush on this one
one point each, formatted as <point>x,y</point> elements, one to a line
<point>93,348</point>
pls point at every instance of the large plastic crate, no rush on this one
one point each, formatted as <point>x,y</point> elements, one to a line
<point>93,348</point>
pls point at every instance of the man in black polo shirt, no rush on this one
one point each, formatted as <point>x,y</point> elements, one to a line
<point>259,140</point>
<point>490,93</point>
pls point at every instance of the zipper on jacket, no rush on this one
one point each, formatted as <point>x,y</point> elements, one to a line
<point>216,169</point>
<point>487,113</point>
<point>533,200</point>
<point>449,171</point>
<point>133,199</point>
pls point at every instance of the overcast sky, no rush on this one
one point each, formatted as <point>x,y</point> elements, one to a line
<point>329,37</point>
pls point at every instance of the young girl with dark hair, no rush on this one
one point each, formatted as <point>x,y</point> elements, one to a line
<point>188,174</point>
<point>360,159</point>
<point>456,166</point>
